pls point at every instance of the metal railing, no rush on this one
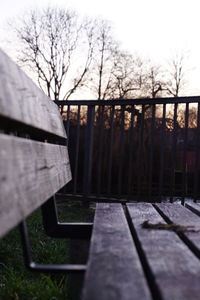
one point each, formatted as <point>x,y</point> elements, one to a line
<point>140,149</point>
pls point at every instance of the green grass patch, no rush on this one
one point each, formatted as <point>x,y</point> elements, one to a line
<point>16,282</point>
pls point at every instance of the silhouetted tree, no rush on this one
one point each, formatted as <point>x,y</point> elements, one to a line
<point>153,81</point>
<point>51,42</point>
<point>67,53</point>
<point>103,64</point>
<point>126,75</point>
<point>176,75</point>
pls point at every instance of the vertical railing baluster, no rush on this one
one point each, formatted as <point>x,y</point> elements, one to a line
<point>121,150</point>
<point>162,149</point>
<point>131,152</point>
<point>140,152</point>
<point>151,152</point>
<point>184,177</point>
<point>77,151</point>
<point>68,123</point>
<point>88,151</point>
<point>100,148</point>
<point>110,151</point>
<point>197,152</point>
<point>173,153</point>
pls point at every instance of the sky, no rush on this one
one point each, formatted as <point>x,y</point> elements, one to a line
<point>154,29</point>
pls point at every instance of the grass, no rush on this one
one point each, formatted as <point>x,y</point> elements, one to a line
<point>16,282</point>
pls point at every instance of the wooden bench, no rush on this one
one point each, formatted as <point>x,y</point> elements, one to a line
<point>34,162</point>
<point>130,261</point>
<point>127,260</point>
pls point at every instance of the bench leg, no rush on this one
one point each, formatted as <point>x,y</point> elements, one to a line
<point>56,229</point>
<point>31,265</point>
<point>79,250</point>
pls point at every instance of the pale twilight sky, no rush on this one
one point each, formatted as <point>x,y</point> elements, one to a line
<point>152,28</point>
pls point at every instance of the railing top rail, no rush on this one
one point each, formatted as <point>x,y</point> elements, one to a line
<point>142,101</point>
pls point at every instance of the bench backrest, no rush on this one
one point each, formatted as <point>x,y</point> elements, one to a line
<point>34,161</point>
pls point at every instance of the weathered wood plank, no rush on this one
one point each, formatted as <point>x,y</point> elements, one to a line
<point>178,214</point>
<point>114,271</point>
<point>175,269</point>
<point>21,100</point>
<point>30,173</point>
<point>194,207</point>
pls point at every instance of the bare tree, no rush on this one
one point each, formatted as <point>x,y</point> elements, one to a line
<point>176,75</point>
<point>61,50</point>
<point>50,41</point>
<point>103,64</point>
<point>115,73</point>
<point>153,83</point>
<point>127,75</point>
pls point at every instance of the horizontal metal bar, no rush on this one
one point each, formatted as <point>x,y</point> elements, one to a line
<point>69,268</point>
<point>101,198</point>
<point>124,102</point>
<point>33,266</point>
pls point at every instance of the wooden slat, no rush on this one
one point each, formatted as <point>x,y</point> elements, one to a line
<point>114,271</point>
<point>194,207</point>
<point>30,173</point>
<point>178,214</point>
<point>21,100</point>
<point>174,267</point>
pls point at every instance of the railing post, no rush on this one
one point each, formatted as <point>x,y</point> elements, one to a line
<point>100,147</point>
<point>151,155</point>
<point>88,151</point>
<point>197,147</point>
<point>184,186</point>
<point>76,162</point>
<point>110,151</point>
<point>140,152</point>
<point>130,187</point>
<point>161,189</point>
<point>121,151</point>
<point>173,154</point>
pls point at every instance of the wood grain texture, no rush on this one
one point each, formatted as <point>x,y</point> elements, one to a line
<point>21,100</point>
<point>114,271</point>
<point>181,215</point>
<point>30,173</point>
<point>175,269</point>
